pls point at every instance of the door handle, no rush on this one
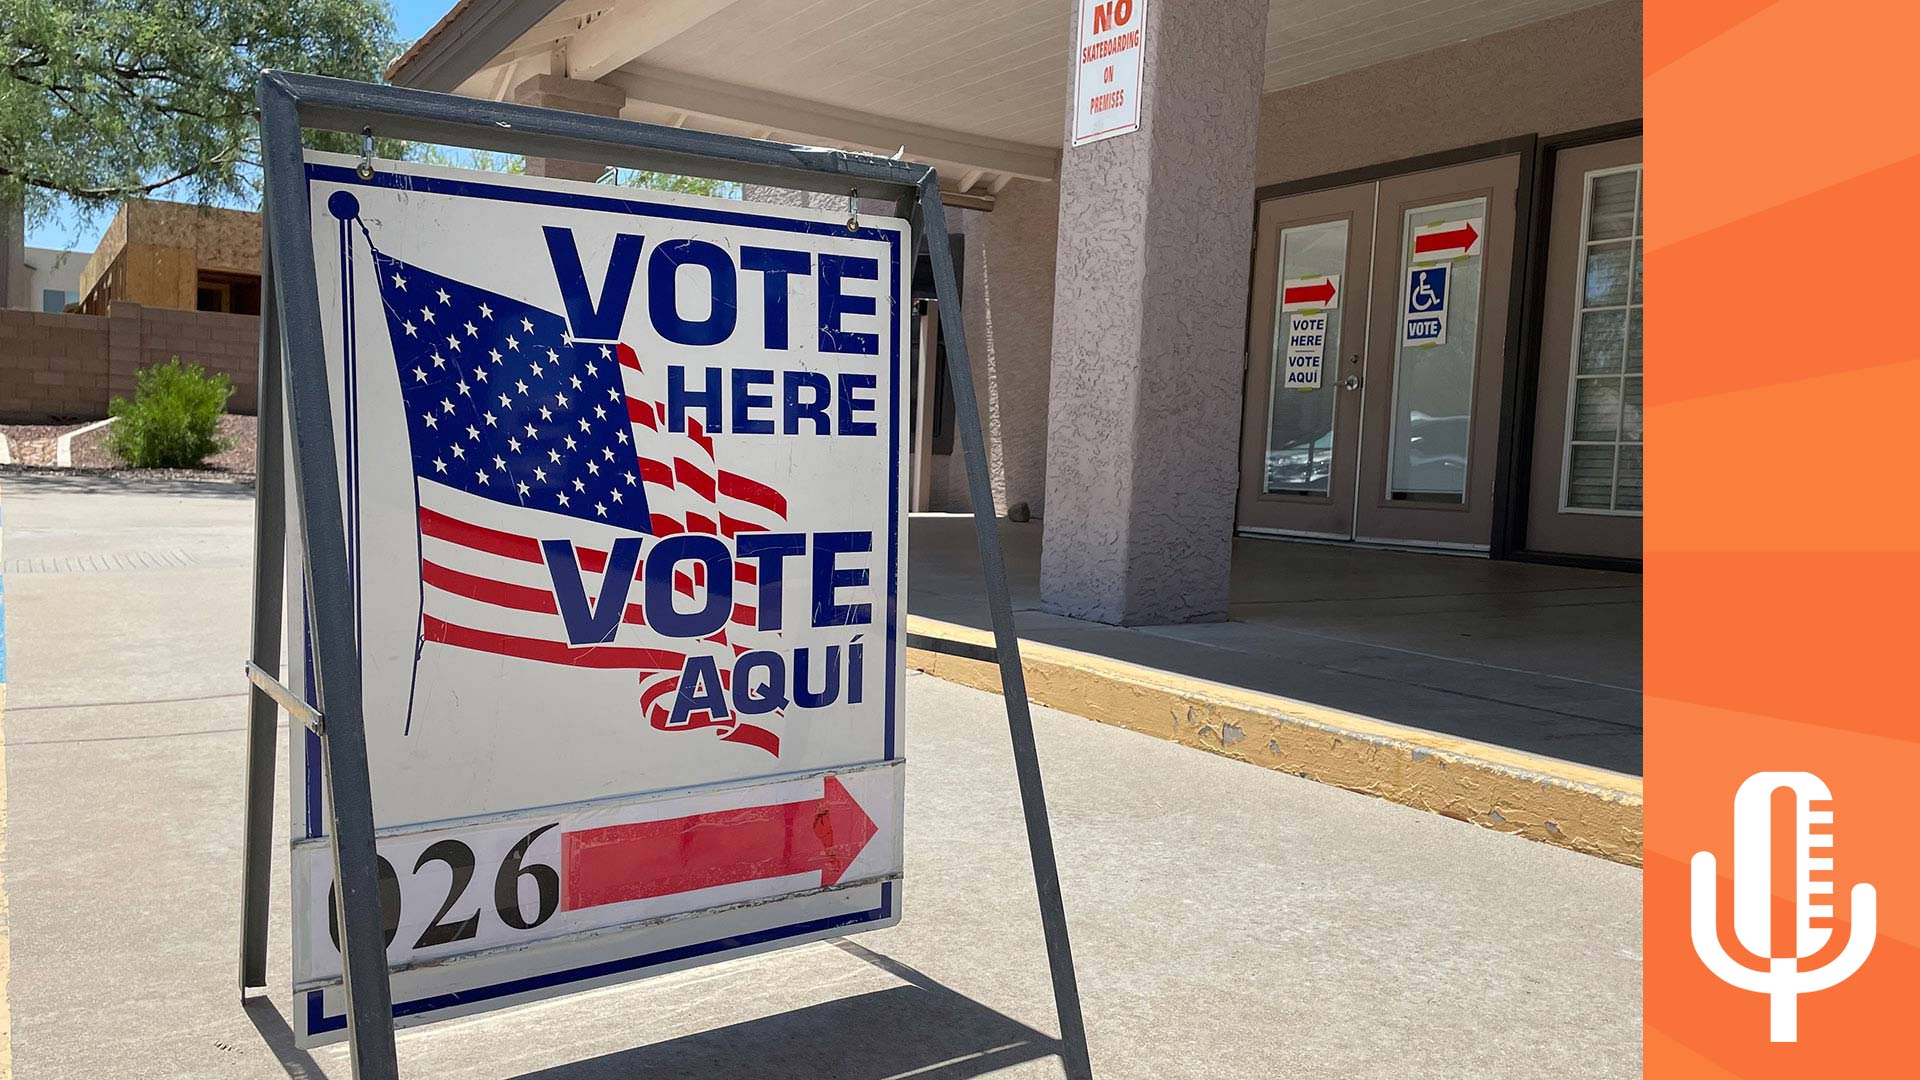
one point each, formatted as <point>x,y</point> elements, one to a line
<point>1351,382</point>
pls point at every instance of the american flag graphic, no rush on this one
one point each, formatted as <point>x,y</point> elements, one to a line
<point>521,434</point>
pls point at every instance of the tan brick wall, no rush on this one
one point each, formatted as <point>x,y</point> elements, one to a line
<point>217,342</point>
<point>69,367</point>
<point>52,367</point>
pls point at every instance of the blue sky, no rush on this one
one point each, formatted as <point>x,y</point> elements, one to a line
<point>66,230</point>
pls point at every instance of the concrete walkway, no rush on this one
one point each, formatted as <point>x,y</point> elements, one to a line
<point>1229,921</point>
<point>1541,659</point>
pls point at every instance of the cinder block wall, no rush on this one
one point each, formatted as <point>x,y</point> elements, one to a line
<point>52,367</point>
<point>56,368</point>
<point>212,339</point>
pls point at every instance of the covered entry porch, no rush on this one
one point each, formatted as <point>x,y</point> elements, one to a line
<point>1534,658</point>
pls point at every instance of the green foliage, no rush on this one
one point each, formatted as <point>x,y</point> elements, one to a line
<point>105,99</point>
<point>685,185</point>
<point>484,160</point>
<point>170,422</point>
<point>489,161</point>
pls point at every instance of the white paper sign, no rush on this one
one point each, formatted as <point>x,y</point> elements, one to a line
<point>623,481</point>
<point>1109,56</point>
<point>1306,349</point>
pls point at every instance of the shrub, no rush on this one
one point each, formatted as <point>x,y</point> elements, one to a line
<point>170,422</point>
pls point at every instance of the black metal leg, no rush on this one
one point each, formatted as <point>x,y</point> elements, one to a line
<point>336,654</point>
<point>269,587</point>
<point>1013,683</point>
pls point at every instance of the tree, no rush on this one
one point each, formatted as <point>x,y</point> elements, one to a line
<point>685,185</point>
<point>101,100</point>
<point>640,178</point>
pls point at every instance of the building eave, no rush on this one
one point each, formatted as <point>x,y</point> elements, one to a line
<point>465,40</point>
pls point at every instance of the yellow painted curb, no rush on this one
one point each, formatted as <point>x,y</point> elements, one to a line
<point>1588,810</point>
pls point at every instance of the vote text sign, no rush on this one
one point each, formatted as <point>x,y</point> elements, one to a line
<point>622,482</point>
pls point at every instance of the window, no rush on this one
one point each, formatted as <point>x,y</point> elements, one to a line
<point>1604,429</point>
<point>238,294</point>
<point>55,301</point>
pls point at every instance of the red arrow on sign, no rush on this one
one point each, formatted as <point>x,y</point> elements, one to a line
<point>725,847</point>
<point>1320,292</point>
<point>1460,239</point>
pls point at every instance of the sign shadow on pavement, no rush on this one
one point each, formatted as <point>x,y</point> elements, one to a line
<point>955,1038</point>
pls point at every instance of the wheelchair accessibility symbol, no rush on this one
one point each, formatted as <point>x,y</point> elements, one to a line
<point>1426,317</point>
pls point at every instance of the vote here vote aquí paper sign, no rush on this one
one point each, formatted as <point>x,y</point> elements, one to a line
<point>623,494</point>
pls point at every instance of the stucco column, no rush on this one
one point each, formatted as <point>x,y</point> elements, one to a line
<point>1149,325</point>
<point>573,95</point>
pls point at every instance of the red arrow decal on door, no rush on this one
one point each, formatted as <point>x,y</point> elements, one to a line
<point>1320,292</point>
<point>1459,239</point>
<point>725,847</point>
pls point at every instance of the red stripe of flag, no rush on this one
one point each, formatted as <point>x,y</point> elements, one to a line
<point>735,486</point>
<point>656,472</point>
<point>699,436</point>
<point>641,413</point>
<point>733,526</point>
<point>549,652</point>
<point>494,542</point>
<point>686,472</point>
<point>524,548</point>
<point>487,590</point>
<point>506,594</point>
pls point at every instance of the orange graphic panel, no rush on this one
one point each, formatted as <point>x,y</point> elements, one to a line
<point>1783,531</point>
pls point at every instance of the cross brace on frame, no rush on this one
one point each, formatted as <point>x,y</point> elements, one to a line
<point>294,402</point>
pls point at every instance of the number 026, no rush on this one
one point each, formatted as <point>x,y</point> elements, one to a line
<point>458,858</point>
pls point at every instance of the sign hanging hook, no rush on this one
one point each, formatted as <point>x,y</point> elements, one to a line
<point>853,213</point>
<point>365,169</point>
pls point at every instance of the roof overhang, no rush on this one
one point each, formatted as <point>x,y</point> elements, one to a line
<point>466,39</point>
<point>485,48</point>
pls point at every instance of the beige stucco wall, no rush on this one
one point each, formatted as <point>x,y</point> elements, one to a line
<point>1008,303</point>
<point>1562,74</point>
<point>1575,71</point>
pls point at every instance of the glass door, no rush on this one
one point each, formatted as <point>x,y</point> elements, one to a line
<point>1442,263</point>
<point>1307,336</point>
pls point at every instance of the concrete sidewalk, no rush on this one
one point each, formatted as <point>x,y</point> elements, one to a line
<point>1229,921</point>
<point>1539,659</point>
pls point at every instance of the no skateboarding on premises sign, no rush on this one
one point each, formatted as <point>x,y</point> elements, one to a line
<point>1110,52</point>
<point>622,484</point>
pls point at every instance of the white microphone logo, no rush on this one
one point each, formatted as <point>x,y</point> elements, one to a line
<point>1753,898</point>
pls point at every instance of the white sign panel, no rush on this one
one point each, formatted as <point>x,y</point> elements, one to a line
<point>623,483</point>
<point>1109,56</point>
<point>1425,322</point>
<point>1306,349</point>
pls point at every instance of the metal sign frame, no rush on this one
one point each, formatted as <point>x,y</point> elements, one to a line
<point>294,399</point>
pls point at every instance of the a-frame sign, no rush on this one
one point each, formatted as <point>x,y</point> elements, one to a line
<point>591,506</point>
